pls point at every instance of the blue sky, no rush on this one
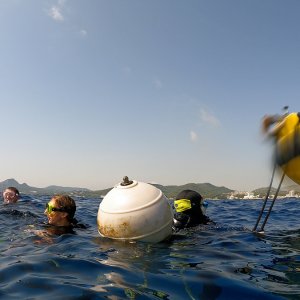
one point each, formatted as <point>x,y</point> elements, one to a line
<point>167,91</point>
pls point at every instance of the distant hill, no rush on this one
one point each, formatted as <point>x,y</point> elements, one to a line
<point>207,190</point>
<point>283,190</point>
<point>263,191</point>
<point>295,187</point>
<point>26,189</point>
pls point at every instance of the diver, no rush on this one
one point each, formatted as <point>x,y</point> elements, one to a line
<point>190,210</point>
<point>11,195</point>
<point>60,211</point>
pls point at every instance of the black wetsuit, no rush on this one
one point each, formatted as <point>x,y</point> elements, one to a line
<point>190,214</point>
<point>185,220</point>
<point>59,230</point>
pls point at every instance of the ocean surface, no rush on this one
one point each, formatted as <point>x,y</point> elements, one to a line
<point>224,261</point>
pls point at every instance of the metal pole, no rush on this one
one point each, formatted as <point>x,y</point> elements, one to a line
<point>271,206</point>
<point>265,201</point>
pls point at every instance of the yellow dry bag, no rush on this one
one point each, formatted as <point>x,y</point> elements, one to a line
<point>287,149</point>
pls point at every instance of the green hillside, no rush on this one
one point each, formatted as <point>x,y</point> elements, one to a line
<point>207,190</point>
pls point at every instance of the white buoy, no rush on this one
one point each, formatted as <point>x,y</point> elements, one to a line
<point>135,210</point>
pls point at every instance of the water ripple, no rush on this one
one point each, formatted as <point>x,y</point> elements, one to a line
<point>224,261</point>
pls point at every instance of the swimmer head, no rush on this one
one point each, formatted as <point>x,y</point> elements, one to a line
<point>11,195</point>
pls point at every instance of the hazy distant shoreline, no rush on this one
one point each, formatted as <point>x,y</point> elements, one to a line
<point>207,190</point>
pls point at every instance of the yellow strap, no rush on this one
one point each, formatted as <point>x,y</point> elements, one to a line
<point>182,205</point>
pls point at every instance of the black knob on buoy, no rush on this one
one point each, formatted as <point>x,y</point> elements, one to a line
<point>126,181</point>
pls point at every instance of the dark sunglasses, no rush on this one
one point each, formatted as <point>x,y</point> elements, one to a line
<point>51,208</point>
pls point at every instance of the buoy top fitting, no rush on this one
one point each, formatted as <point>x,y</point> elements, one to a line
<point>126,181</point>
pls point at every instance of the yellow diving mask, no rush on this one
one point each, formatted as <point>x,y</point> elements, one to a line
<point>182,205</point>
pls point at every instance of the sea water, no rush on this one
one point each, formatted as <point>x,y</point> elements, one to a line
<point>222,261</point>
